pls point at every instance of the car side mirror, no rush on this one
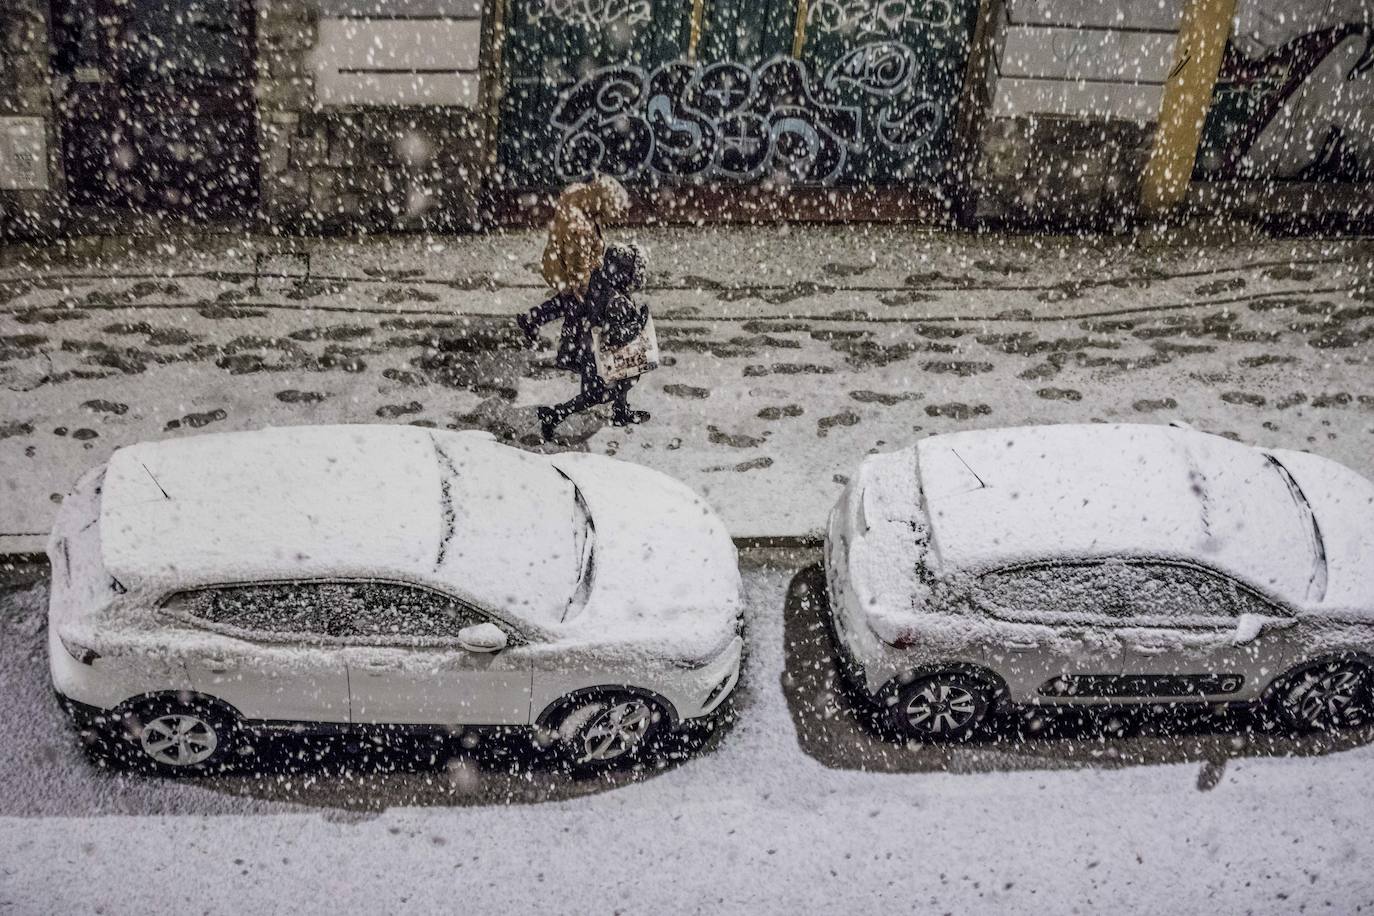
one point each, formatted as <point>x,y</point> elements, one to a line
<point>483,637</point>
<point>1250,626</point>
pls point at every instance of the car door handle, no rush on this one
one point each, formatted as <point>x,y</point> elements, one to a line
<point>1150,650</point>
<point>217,665</point>
<point>1017,645</point>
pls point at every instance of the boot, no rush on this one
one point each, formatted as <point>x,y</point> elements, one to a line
<point>629,417</point>
<point>548,422</point>
<point>528,329</point>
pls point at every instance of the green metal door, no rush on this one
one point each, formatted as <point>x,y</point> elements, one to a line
<point>837,93</point>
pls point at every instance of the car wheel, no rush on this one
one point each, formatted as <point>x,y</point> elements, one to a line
<point>1326,696</point>
<point>603,731</point>
<point>946,706</point>
<point>174,737</point>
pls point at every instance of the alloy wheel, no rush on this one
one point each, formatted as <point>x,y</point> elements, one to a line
<point>178,740</point>
<point>615,731</point>
<point>940,709</point>
<point>1330,697</point>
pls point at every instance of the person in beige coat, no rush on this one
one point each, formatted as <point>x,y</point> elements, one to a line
<point>576,247</point>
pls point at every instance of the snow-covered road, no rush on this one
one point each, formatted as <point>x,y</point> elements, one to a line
<point>791,352</point>
<point>797,807</point>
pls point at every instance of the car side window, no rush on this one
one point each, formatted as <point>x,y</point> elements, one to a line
<point>383,613</point>
<point>1171,594</point>
<point>1057,593</point>
<point>284,609</point>
<point>387,612</point>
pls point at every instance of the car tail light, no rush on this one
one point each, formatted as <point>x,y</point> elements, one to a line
<point>84,654</point>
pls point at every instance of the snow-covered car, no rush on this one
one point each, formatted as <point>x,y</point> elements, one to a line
<point>1102,564</point>
<point>350,577</point>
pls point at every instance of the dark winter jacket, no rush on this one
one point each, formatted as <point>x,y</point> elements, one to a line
<point>607,304</point>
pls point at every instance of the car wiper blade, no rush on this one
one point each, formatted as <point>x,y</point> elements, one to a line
<point>1317,582</point>
<point>586,560</point>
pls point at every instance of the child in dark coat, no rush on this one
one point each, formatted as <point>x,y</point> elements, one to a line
<point>607,304</point>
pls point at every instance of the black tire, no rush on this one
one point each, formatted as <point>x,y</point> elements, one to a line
<point>606,729</point>
<point>945,706</point>
<point>174,736</point>
<point>1325,696</point>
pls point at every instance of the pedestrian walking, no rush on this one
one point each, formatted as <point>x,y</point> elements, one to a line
<point>606,338</point>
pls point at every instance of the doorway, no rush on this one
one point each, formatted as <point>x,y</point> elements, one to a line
<point>156,106</point>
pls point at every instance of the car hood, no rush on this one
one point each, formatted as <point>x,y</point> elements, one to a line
<point>665,579</point>
<point>1343,504</point>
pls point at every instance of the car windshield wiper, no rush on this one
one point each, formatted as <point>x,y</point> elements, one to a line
<point>1317,582</point>
<point>584,542</point>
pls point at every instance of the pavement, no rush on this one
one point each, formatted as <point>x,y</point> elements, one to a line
<point>796,803</point>
<point>789,352</point>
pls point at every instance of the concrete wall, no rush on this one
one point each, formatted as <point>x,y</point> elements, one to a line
<point>1072,91</point>
<point>383,114</point>
<point>29,189</point>
<point>369,145</point>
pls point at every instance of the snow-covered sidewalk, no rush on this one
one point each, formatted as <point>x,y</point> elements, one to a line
<point>792,352</point>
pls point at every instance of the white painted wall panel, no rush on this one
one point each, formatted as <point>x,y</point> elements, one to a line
<point>1129,101</point>
<point>1163,15</point>
<point>397,89</point>
<point>397,62</point>
<point>389,44</point>
<point>23,154</point>
<point>1098,54</point>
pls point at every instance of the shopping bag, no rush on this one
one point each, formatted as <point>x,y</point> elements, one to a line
<point>634,359</point>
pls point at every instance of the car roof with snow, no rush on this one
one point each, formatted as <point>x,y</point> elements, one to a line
<point>1000,497</point>
<point>454,510</point>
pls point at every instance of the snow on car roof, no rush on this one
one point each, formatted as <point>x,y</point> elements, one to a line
<point>1005,496</point>
<point>447,509</point>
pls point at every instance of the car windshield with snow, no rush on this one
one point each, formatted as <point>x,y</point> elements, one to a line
<point>1103,564</point>
<point>381,576</point>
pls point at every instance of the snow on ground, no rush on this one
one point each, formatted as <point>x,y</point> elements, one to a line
<point>792,351</point>
<point>796,805</point>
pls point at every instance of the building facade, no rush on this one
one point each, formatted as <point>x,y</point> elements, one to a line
<point>338,115</point>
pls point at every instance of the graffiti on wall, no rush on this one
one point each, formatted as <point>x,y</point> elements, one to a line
<point>740,123</point>
<point>886,17</point>
<point>590,14</point>
<point>1295,97</point>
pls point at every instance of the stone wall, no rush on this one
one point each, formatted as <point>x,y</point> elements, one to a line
<point>365,167</point>
<point>1045,170</point>
<point>26,91</point>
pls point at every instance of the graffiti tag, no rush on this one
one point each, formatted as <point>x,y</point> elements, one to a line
<point>1298,111</point>
<point>734,122</point>
<point>590,14</point>
<point>884,17</point>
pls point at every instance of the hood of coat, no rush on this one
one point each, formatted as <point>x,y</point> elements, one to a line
<point>602,199</point>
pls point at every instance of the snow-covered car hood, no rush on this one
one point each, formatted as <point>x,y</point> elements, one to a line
<point>665,579</point>
<point>1343,504</point>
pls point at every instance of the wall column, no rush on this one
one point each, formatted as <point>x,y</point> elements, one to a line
<point>1204,29</point>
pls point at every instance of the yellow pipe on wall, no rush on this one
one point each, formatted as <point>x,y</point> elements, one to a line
<point>694,36</point>
<point>799,30</point>
<point>1203,31</point>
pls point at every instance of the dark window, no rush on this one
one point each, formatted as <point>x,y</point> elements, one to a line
<point>1117,592</point>
<point>1058,593</point>
<point>353,611</point>
<point>294,609</point>
<point>386,611</point>
<point>1166,592</point>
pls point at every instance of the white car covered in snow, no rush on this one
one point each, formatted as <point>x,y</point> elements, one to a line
<point>348,577</point>
<point>1103,564</point>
